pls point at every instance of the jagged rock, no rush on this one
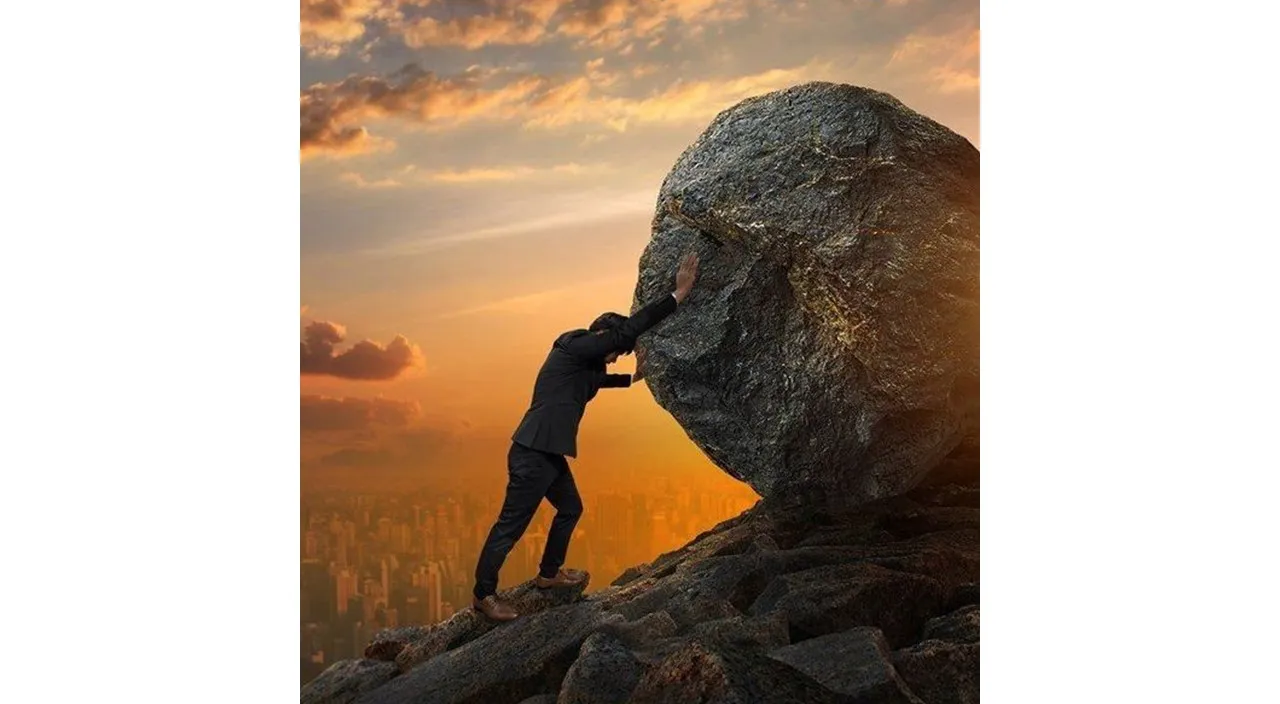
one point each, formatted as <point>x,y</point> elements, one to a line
<point>540,699</point>
<point>629,574</point>
<point>959,626</point>
<point>834,598</point>
<point>766,632</point>
<point>699,674</point>
<point>345,680</point>
<point>604,673</point>
<point>853,662</point>
<point>943,667</point>
<point>829,353</point>
<point>507,664</point>
<point>646,629</point>
<point>388,642</point>
<point>940,672</point>
<point>467,625</point>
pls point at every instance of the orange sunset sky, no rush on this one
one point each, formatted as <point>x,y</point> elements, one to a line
<point>478,177</point>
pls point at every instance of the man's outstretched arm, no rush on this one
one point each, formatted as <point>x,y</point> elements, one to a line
<point>590,348</point>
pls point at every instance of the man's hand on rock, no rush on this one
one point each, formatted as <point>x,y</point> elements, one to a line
<point>685,276</point>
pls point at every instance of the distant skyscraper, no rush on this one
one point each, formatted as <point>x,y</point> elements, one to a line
<point>434,585</point>
<point>347,587</point>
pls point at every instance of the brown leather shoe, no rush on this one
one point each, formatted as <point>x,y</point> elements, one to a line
<point>562,579</point>
<point>494,609</point>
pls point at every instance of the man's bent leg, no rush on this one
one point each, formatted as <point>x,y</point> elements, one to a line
<point>563,494</point>
<point>528,476</point>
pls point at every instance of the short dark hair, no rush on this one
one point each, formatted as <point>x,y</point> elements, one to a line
<point>609,321</point>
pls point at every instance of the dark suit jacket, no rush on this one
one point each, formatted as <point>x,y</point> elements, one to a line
<point>572,374</point>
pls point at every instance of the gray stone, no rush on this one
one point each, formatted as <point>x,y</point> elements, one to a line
<point>768,632</point>
<point>522,658</point>
<point>468,624</point>
<point>699,673</point>
<point>941,672</point>
<point>604,673</point>
<point>345,680</point>
<point>829,351</point>
<point>853,662</point>
<point>646,629</point>
<point>959,626</point>
<point>834,598</point>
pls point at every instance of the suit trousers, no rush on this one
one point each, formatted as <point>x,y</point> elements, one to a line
<point>531,476</point>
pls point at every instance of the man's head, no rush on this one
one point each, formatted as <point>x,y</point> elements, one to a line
<point>608,321</point>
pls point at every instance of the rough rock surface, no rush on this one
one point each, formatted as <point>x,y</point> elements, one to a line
<point>943,668</point>
<point>467,625</point>
<point>873,605</point>
<point>605,673</point>
<point>829,352</point>
<point>345,680</point>
<point>853,662</point>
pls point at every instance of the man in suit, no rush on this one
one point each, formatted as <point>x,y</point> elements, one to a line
<point>536,466</point>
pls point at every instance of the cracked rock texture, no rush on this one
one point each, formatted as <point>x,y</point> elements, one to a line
<point>829,351</point>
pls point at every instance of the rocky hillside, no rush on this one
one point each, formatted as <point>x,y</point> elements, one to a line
<point>876,605</point>
<point>829,357</point>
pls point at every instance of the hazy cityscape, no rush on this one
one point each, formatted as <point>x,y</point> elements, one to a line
<point>372,561</point>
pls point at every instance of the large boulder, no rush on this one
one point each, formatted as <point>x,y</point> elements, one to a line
<point>829,354</point>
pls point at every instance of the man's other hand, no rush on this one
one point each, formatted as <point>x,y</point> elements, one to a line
<point>639,374</point>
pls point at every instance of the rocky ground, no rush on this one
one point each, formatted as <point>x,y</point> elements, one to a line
<point>879,604</point>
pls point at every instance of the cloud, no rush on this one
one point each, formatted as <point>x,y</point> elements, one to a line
<point>510,26</point>
<point>359,181</point>
<point>513,173</point>
<point>412,176</point>
<point>529,303</point>
<point>364,360</point>
<point>333,114</point>
<point>615,23</point>
<point>331,414</point>
<point>567,211</point>
<point>682,102</point>
<point>595,23</point>
<point>372,433</point>
<point>406,447</point>
<point>949,61</point>
<point>328,25</point>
